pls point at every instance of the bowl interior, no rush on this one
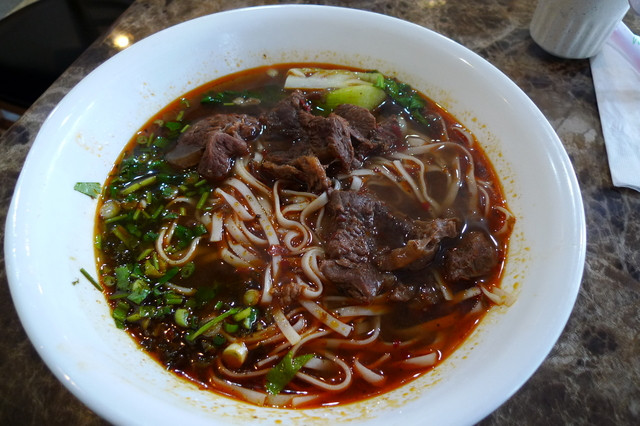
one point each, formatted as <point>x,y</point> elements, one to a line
<point>50,226</point>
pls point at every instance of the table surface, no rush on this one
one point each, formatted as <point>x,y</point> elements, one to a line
<point>591,376</point>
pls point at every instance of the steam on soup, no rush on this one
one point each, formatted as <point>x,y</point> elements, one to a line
<point>298,237</point>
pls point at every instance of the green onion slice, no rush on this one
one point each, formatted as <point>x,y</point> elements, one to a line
<point>181,316</point>
<point>192,336</point>
<point>92,280</point>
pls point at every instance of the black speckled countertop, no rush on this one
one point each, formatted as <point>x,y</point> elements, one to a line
<point>592,375</point>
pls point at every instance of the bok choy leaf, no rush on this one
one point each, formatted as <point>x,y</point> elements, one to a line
<point>363,89</point>
<point>319,78</point>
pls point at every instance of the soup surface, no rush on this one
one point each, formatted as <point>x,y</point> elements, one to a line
<point>301,235</point>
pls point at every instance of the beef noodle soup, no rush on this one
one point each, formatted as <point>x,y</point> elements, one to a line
<point>302,235</point>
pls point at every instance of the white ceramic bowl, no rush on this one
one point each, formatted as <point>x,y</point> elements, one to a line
<point>50,226</point>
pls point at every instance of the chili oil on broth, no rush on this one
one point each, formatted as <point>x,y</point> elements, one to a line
<point>144,228</point>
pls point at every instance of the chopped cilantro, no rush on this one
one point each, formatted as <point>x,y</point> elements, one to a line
<point>92,189</point>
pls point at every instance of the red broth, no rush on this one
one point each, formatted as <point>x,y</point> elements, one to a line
<point>205,291</point>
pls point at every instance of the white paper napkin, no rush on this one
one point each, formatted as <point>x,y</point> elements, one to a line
<point>616,77</point>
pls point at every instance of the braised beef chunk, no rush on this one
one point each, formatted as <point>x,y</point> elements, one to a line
<point>350,226</point>
<point>213,142</point>
<point>362,281</point>
<point>305,170</point>
<point>429,293</point>
<point>314,174</point>
<point>402,293</point>
<point>386,137</point>
<point>306,135</point>
<point>362,122</point>
<point>419,289</point>
<point>216,161</point>
<point>409,243</point>
<point>341,141</point>
<point>367,135</point>
<point>359,227</point>
<point>420,249</point>
<point>283,120</point>
<point>415,250</point>
<point>329,139</point>
<point>350,245</point>
<point>475,255</point>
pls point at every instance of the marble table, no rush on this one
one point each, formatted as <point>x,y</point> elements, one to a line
<point>592,375</point>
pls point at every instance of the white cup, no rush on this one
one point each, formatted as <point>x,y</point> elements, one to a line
<point>575,29</point>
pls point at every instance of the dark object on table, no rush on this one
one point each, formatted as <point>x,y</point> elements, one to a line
<point>41,40</point>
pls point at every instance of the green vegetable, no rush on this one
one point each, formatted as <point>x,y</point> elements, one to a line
<point>143,312</point>
<point>320,78</point>
<point>199,229</point>
<point>92,280</point>
<point>116,218</point>
<point>203,199</point>
<point>242,314</point>
<point>251,297</point>
<point>248,316</point>
<point>139,291</point>
<point>134,186</point>
<point>187,270</point>
<point>192,336</point>
<point>403,94</point>
<point>170,274</point>
<point>145,253</point>
<point>161,143</point>
<point>406,97</point>
<point>231,328</point>
<point>151,270</point>
<point>133,229</point>
<point>172,298</point>
<point>92,189</point>
<point>369,97</point>
<point>181,317</point>
<point>204,295</point>
<point>174,126</point>
<point>122,278</point>
<point>98,242</point>
<point>184,235</point>
<point>249,321</point>
<point>124,236</point>
<point>145,140</point>
<point>227,97</point>
<point>218,340</point>
<point>108,280</point>
<point>280,375</point>
<point>120,313</point>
